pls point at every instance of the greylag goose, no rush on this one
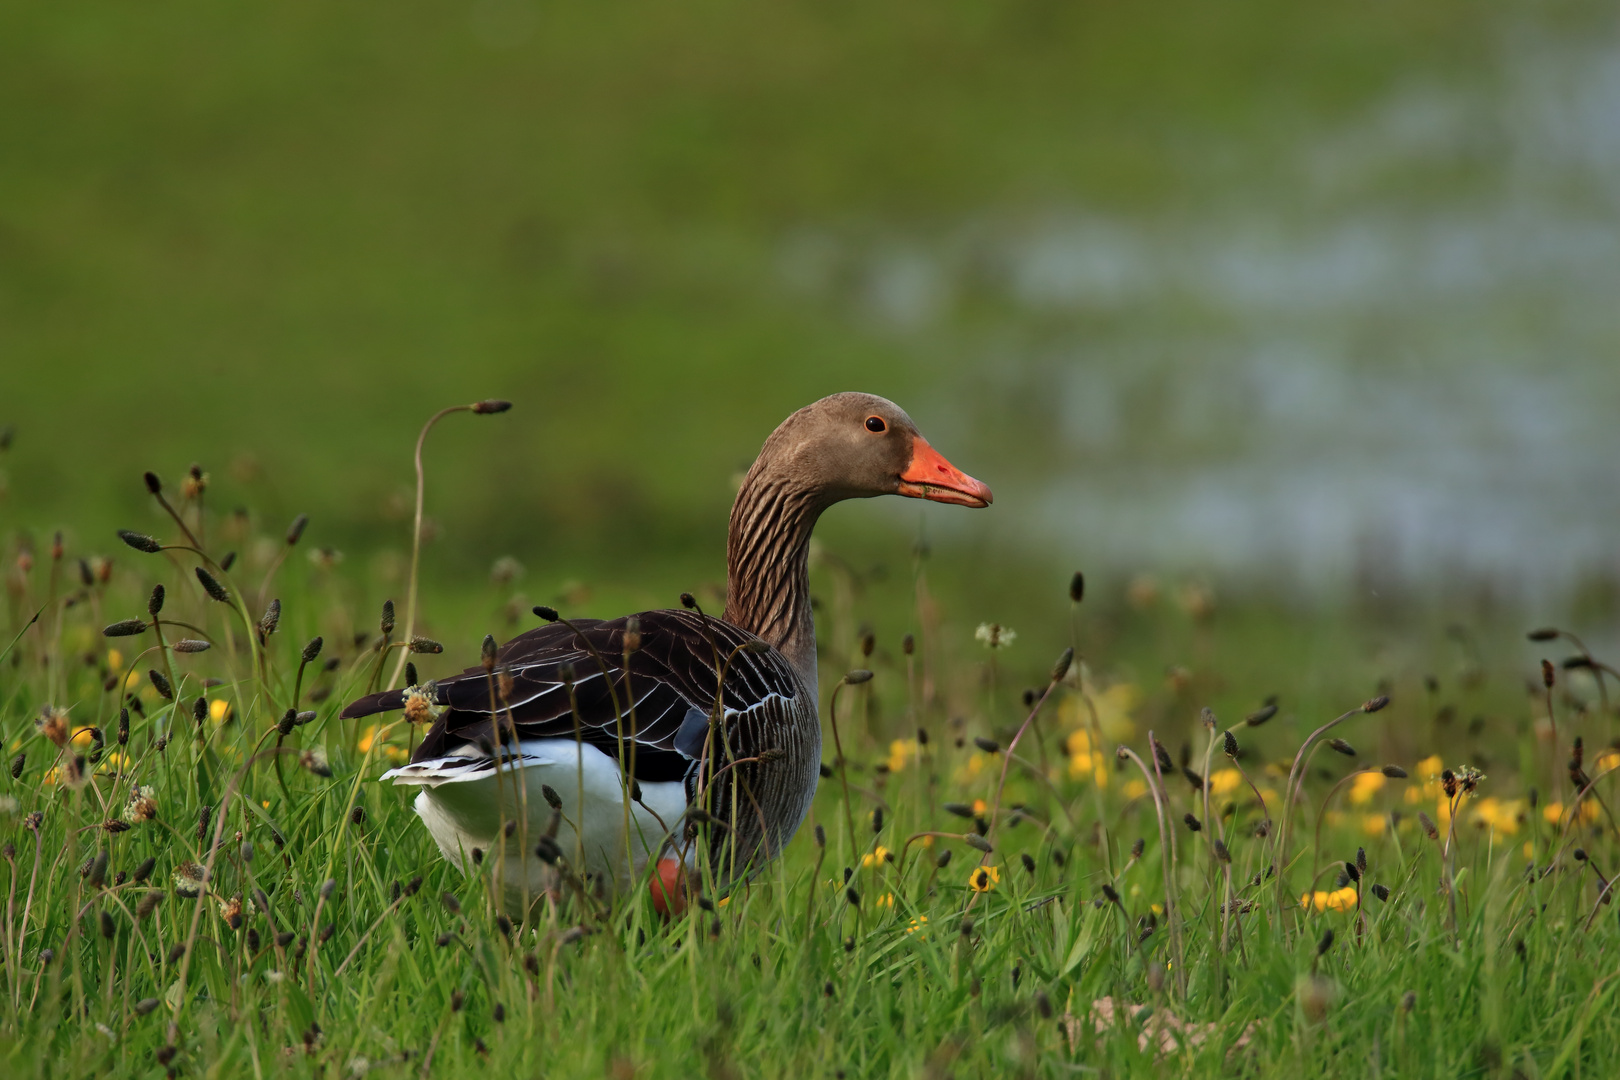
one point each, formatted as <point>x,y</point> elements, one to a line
<point>559,716</point>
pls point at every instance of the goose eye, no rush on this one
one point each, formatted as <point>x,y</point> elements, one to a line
<point>875,423</point>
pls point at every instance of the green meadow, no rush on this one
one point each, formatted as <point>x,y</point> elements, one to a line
<point>1180,816</point>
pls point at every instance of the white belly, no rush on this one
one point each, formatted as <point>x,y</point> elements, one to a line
<point>464,805</point>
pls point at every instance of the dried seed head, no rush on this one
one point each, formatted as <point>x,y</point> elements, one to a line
<point>312,650</point>
<point>204,818</point>
<point>1409,1001</point>
<point>908,645</point>
<point>17,764</point>
<point>1027,860</point>
<point>961,810</point>
<point>53,724</point>
<point>549,793</point>
<point>144,870</point>
<point>1376,703</point>
<point>1077,587</point>
<point>1548,676</point>
<point>1394,772</point>
<point>688,601</point>
<point>1428,825</point>
<point>547,613</point>
<point>1138,847</point>
<point>1352,872</point>
<point>490,407</point>
<point>1448,783</point>
<point>1255,719</point>
<point>125,628</point>
<point>140,541</point>
<point>386,622</point>
<point>821,836</point>
<point>199,709</point>
<point>1361,859</point>
<point>451,903</point>
<point>1342,747</point>
<point>212,587</point>
<point>425,645</point>
<point>487,652</point>
<point>1161,756</point>
<point>1220,850</point>
<point>1192,823</point>
<point>1326,943</point>
<point>977,842</point>
<point>989,746</point>
<point>858,676</point>
<point>1546,633</point>
<point>1580,854</point>
<point>631,641</point>
<point>191,645</point>
<point>877,820</point>
<point>270,620</point>
<point>944,859</point>
<point>1206,716</point>
<point>410,671</point>
<point>1230,745</point>
<point>1382,892</point>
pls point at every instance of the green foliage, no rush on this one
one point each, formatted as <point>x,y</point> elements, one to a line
<point>866,957</point>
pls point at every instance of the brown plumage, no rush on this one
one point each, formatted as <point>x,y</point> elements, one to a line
<point>577,707</point>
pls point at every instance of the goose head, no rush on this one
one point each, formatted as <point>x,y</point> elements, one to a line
<point>859,446</point>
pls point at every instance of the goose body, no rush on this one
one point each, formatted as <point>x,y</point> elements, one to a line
<point>639,728</point>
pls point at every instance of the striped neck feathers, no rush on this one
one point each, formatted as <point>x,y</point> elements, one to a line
<point>767,565</point>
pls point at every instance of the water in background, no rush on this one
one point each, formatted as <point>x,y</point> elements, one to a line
<point>1396,363</point>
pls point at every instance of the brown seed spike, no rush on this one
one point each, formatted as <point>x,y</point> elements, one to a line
<point>153,484</point>
<point>1138,847</point>
<point>212,587</point>
<point>1077,587</point>
<point>1375,704</point>
<point>1548,674</point>
<point>1342,747</point>
<point>1429,826</point>
<point>140,541</point>
<point>1394,772</point>
<point>1192,823</point>
<point>1546,633</point>
<point>1230,745</point>
<point>491,407</point>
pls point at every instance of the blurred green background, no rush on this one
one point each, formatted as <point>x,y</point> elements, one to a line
<point>1308,300</point>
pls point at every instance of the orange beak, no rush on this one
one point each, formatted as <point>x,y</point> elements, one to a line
<point>930,476</point>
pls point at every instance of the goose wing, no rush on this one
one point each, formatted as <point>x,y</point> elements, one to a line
<point>657,699</point>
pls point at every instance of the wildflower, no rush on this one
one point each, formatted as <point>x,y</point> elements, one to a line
<point>876,857</point>
<point>1373,824</point>
<point>1339,899</point>
<point>1365,786</point>
<point>115,661</point>
<point>994,636</point>
<point>53,724</point>
<point>1499,815</point>
<point>420,707</point>
<point>916,925</point>
<point>886,900</point>
<point>1113,704</point>
<point>984,878</point>
<point>1430,767</point>
<point>189,878</point>
<point>900,752</point>
<point>1225,781</point>
<point>142,806</point>
<point>1553,812</point>
<point>1135,789</point>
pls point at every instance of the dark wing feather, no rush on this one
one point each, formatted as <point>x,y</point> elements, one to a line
<point>672,679</point>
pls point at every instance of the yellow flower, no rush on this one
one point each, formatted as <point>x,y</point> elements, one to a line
<point>875,858</point>
<point>984,878</point>
<point>83,738</point>
<point>1554,812</point>
<point>1113,705</point>
<point>1607,760</point>
<point>971,768</point>
<point>115,660</point>
<point>900,752</point>
<point>1365,786</point>
<point>886,900</point>
<point>1339,899</point>
<point>219,710</point>
<point>1225,781</point>
<point>980,806</point>
<point>1373,824</point>
<point>1501,815</point>
<point>1431,767</point>
<point>917,924</point>
<point>1135,789</point>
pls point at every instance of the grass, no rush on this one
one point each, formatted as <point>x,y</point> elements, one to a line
<point>215,894</point>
